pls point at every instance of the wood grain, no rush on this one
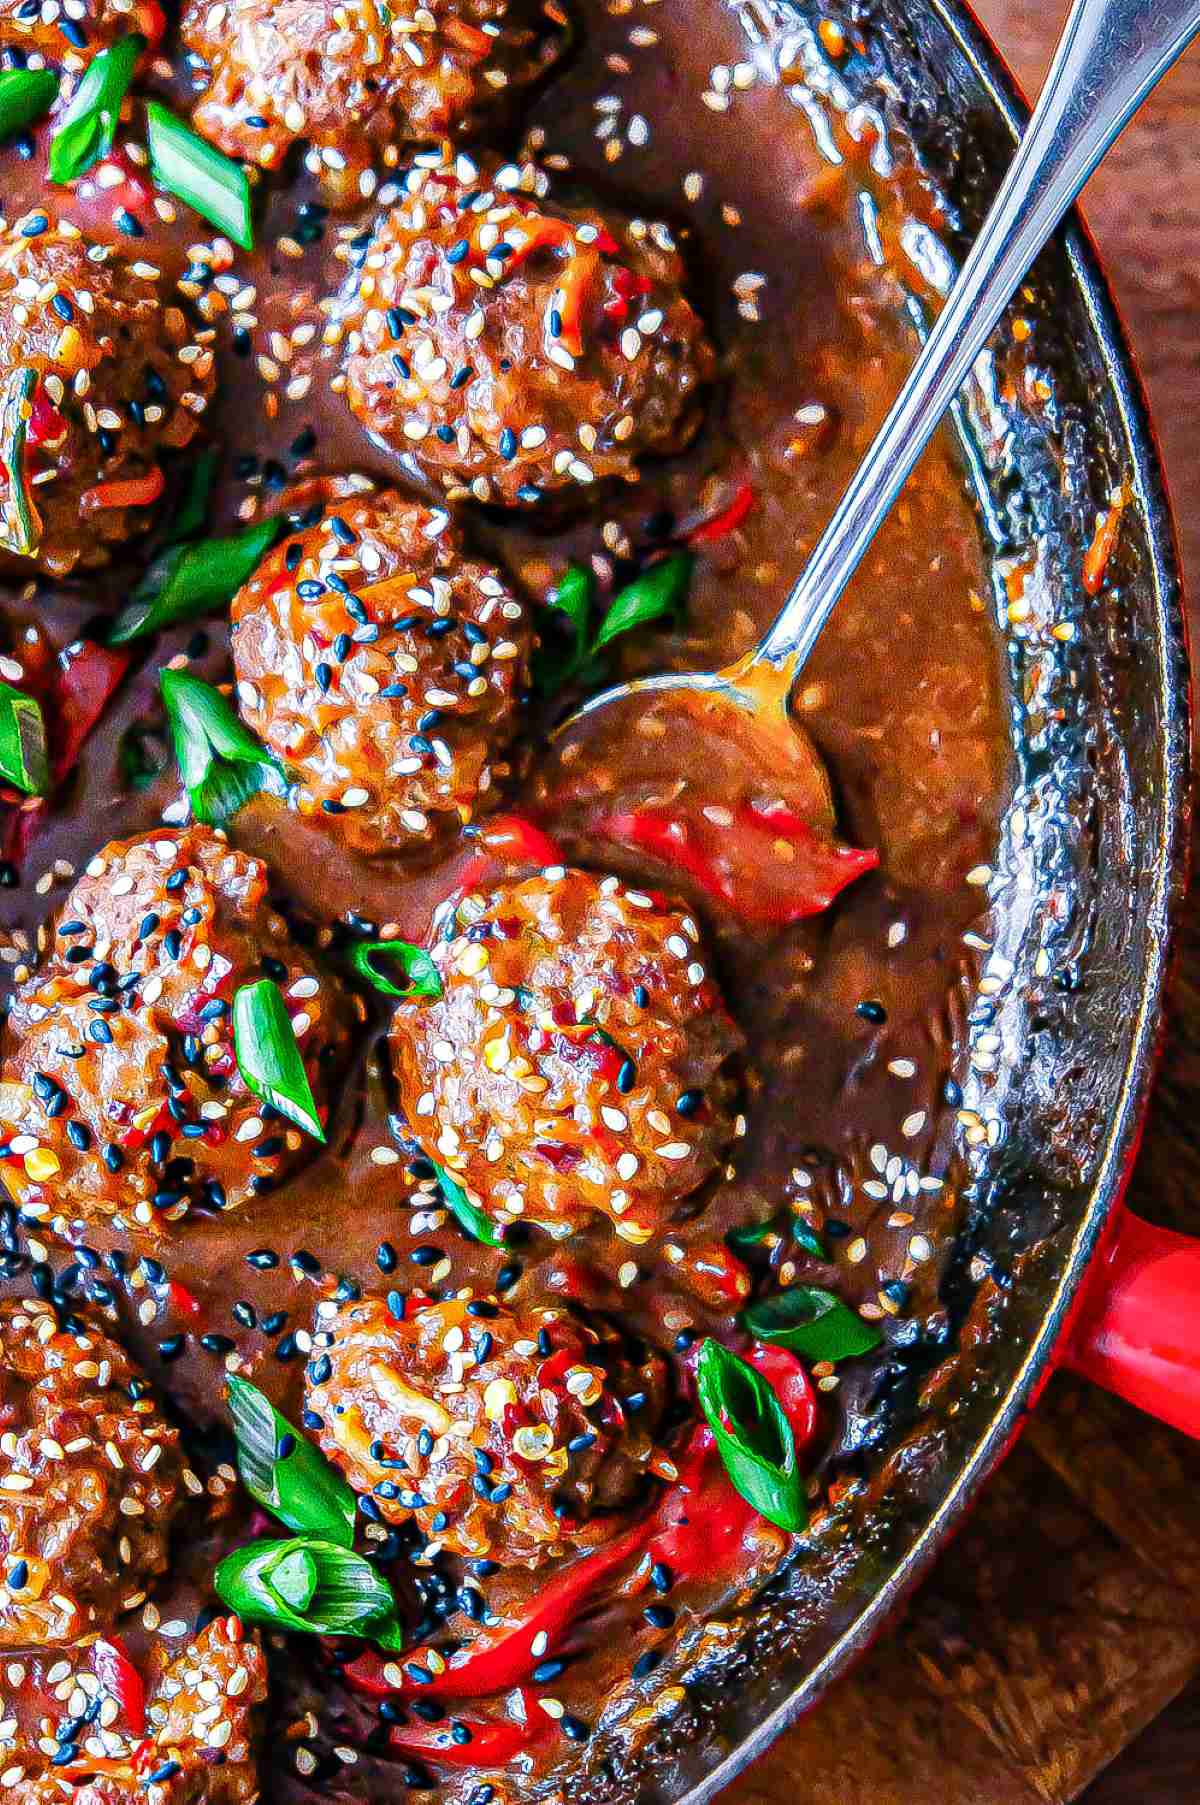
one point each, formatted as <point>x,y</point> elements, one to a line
<point>1067,1616</point>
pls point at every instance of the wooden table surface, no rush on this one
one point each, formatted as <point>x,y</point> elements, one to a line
<point>1055,1651</point>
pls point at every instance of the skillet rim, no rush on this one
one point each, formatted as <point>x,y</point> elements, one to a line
<point>1172,782</point>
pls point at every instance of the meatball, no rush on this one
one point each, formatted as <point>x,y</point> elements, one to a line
<point>104,376</point>
<point>512,346</point>
<point>69,32</point>
<point>89,1479</point>
<point>203,1728</point>
<point>383,666</point>
<point>419,1401</point>
<point>351,80</point>
<point>579,1058</point>
<point>120,1095</point>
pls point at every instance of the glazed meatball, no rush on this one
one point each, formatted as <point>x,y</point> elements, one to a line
<point>511,346</point>
<point>105,376</point>
<point>203,1729</point>
<point>418,1400</point>
<point>68,33</point>
<point>383,666</point>
<point>120,1095</point>
<point>579,1059</point>
<point>89,1479</point>
<point>353,79</point>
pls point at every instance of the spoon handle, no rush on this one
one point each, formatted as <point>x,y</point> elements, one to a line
<point>1111,54</point>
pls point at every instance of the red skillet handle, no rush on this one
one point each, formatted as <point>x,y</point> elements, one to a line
<point>1138,1328</point>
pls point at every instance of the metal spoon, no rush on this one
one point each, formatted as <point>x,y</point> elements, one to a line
<point>1110,56</point>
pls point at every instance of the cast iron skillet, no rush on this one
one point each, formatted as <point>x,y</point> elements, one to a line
<point>1089,873</point>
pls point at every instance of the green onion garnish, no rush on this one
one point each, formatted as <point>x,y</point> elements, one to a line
<point>89,124</point>
<point>221,763</point>
<point>20,525</point>
<point>268,1058</point>
<point>23,759</point>
<point>418,968</point>
<point>658,591</point>
<point>187,581</point>
<point>25,94</point>
<point>753,1436</point>
<point>312,1586</point>
<point>468,1215</point>
<point>195,172</point>
<point>811,1322</point>
<point>192,512</point>
<point>573,598</point>
<point>286,1472</point>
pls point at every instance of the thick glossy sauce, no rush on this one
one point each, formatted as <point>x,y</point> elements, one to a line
<point>854,1018</point>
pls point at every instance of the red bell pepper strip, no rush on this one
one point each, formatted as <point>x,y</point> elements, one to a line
<point>719,526</point>
<point>494,1741</point>
<point>741,869</point>
<point>79,693</point>
<point>119,1677</point>
<point>504,1656</point>
<point>698,1525</point>
<point>505,840</point>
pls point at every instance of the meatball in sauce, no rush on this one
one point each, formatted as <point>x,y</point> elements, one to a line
<point>515,346</point>
<point>349,80</point>
<point>418,1400</point>
<point>89,1479</point>
<point>385,666</point>
<point>108,375</point>
<point>579,1060</point>
<point>120,1092</point>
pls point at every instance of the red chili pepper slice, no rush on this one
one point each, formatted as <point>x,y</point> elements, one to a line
<point>719,526</point>
<point>118,1675</point>
<point>743,870</point>
<point>181,1299</point>
<point>80,692</point>
<point>494,1742</point>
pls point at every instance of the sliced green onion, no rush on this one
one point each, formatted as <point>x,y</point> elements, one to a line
<point>811,1322</point>
<point>192,512</point>
<point>187,581</point>
<point>660,590</point>
<point>286,1472</point>
<point>806,1237</point>
<point>25,94</point>
<point>21,528</point>
<point>573,599</point>
<point>186,166</point>
<point>753,1436</point>
<point>89,124</point>
<point>221,763</point>
<point>142,756</point>
<point>751,1234</point>
<point>468,1215</point>
<point>414,962</point>
<point>23,759</point>
<point>310,1586</point>
<point>264,1045</point>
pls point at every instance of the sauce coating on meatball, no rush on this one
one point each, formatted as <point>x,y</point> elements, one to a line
<point>105,375</point>
<point>579,1059</point>
<point>384,666</point>
<point>508,1434</point>
<point>89,1479</point>
<point>513,346</point>
<point>351,79</point>
<point>120,1095</point>
<point>198,1746</point>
